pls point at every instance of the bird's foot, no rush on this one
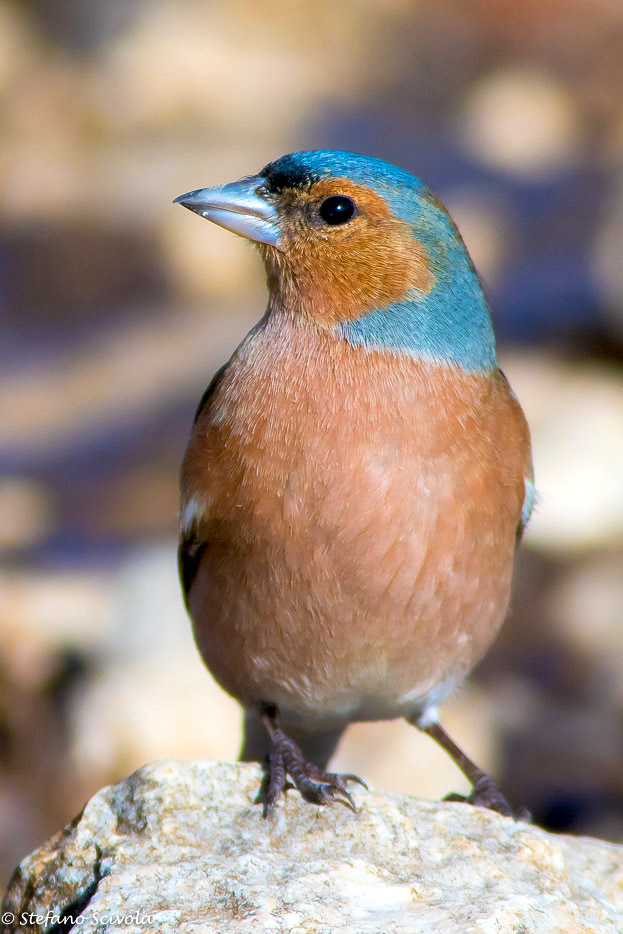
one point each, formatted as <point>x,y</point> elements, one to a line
<point>486,794</point>
<point>314,784</point>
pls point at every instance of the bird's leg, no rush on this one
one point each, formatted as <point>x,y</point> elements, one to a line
<point>286,759</point>
<point>485,791</point>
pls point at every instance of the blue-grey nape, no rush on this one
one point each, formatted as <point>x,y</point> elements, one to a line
<point>428,329</point>
<point>450,323</point>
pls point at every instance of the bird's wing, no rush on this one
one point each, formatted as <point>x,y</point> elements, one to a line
<point>212,386</point>
<point>191,546</point>
<point>188,557</point>
<point>528,505</point>
<point>530,496</point>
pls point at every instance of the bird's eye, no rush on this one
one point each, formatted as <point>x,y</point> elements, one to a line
<point>337,210</point>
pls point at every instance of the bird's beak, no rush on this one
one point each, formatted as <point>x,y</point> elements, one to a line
<point>239,207</point>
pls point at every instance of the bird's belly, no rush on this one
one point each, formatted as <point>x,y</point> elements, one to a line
<point>358,512</point>
<point>356,584</point>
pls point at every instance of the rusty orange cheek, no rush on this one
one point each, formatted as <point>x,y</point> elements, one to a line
<point>349,270</point>
<point>373,270</point>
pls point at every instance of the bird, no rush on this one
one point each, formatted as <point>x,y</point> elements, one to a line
<point>358,474</point>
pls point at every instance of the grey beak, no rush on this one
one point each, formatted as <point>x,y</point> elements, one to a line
<point>239,207</point>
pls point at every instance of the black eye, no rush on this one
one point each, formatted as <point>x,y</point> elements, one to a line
<point>337,210</point>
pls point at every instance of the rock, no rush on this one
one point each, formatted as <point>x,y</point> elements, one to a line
<point>180,847</point>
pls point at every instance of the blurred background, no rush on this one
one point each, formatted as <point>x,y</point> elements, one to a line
<point>117,307</point>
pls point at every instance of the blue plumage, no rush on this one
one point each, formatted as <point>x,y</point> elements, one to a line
<point>448,324</point>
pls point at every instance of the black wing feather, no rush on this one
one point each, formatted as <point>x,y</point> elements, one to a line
<point>212,386</point>
<point>190,547</point>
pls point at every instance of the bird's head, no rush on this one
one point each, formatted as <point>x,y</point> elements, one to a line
<point>362,248</point>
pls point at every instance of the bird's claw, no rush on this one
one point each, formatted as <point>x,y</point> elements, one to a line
<point>286,768</point>
<point>341,796</point>
<point>347,777</point>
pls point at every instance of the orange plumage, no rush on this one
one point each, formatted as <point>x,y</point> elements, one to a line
<point>358,554</point>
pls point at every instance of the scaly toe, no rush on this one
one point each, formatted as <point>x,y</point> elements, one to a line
<point>274,782</point>
<point>286,768</point>
<point>486,794</point>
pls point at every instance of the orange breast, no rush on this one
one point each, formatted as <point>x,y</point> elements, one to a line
<point>360,512</point>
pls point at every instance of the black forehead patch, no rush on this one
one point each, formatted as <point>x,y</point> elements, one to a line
<point>287,172</point>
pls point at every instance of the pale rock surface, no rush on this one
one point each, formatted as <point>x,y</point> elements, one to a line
<point>179,846</point>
